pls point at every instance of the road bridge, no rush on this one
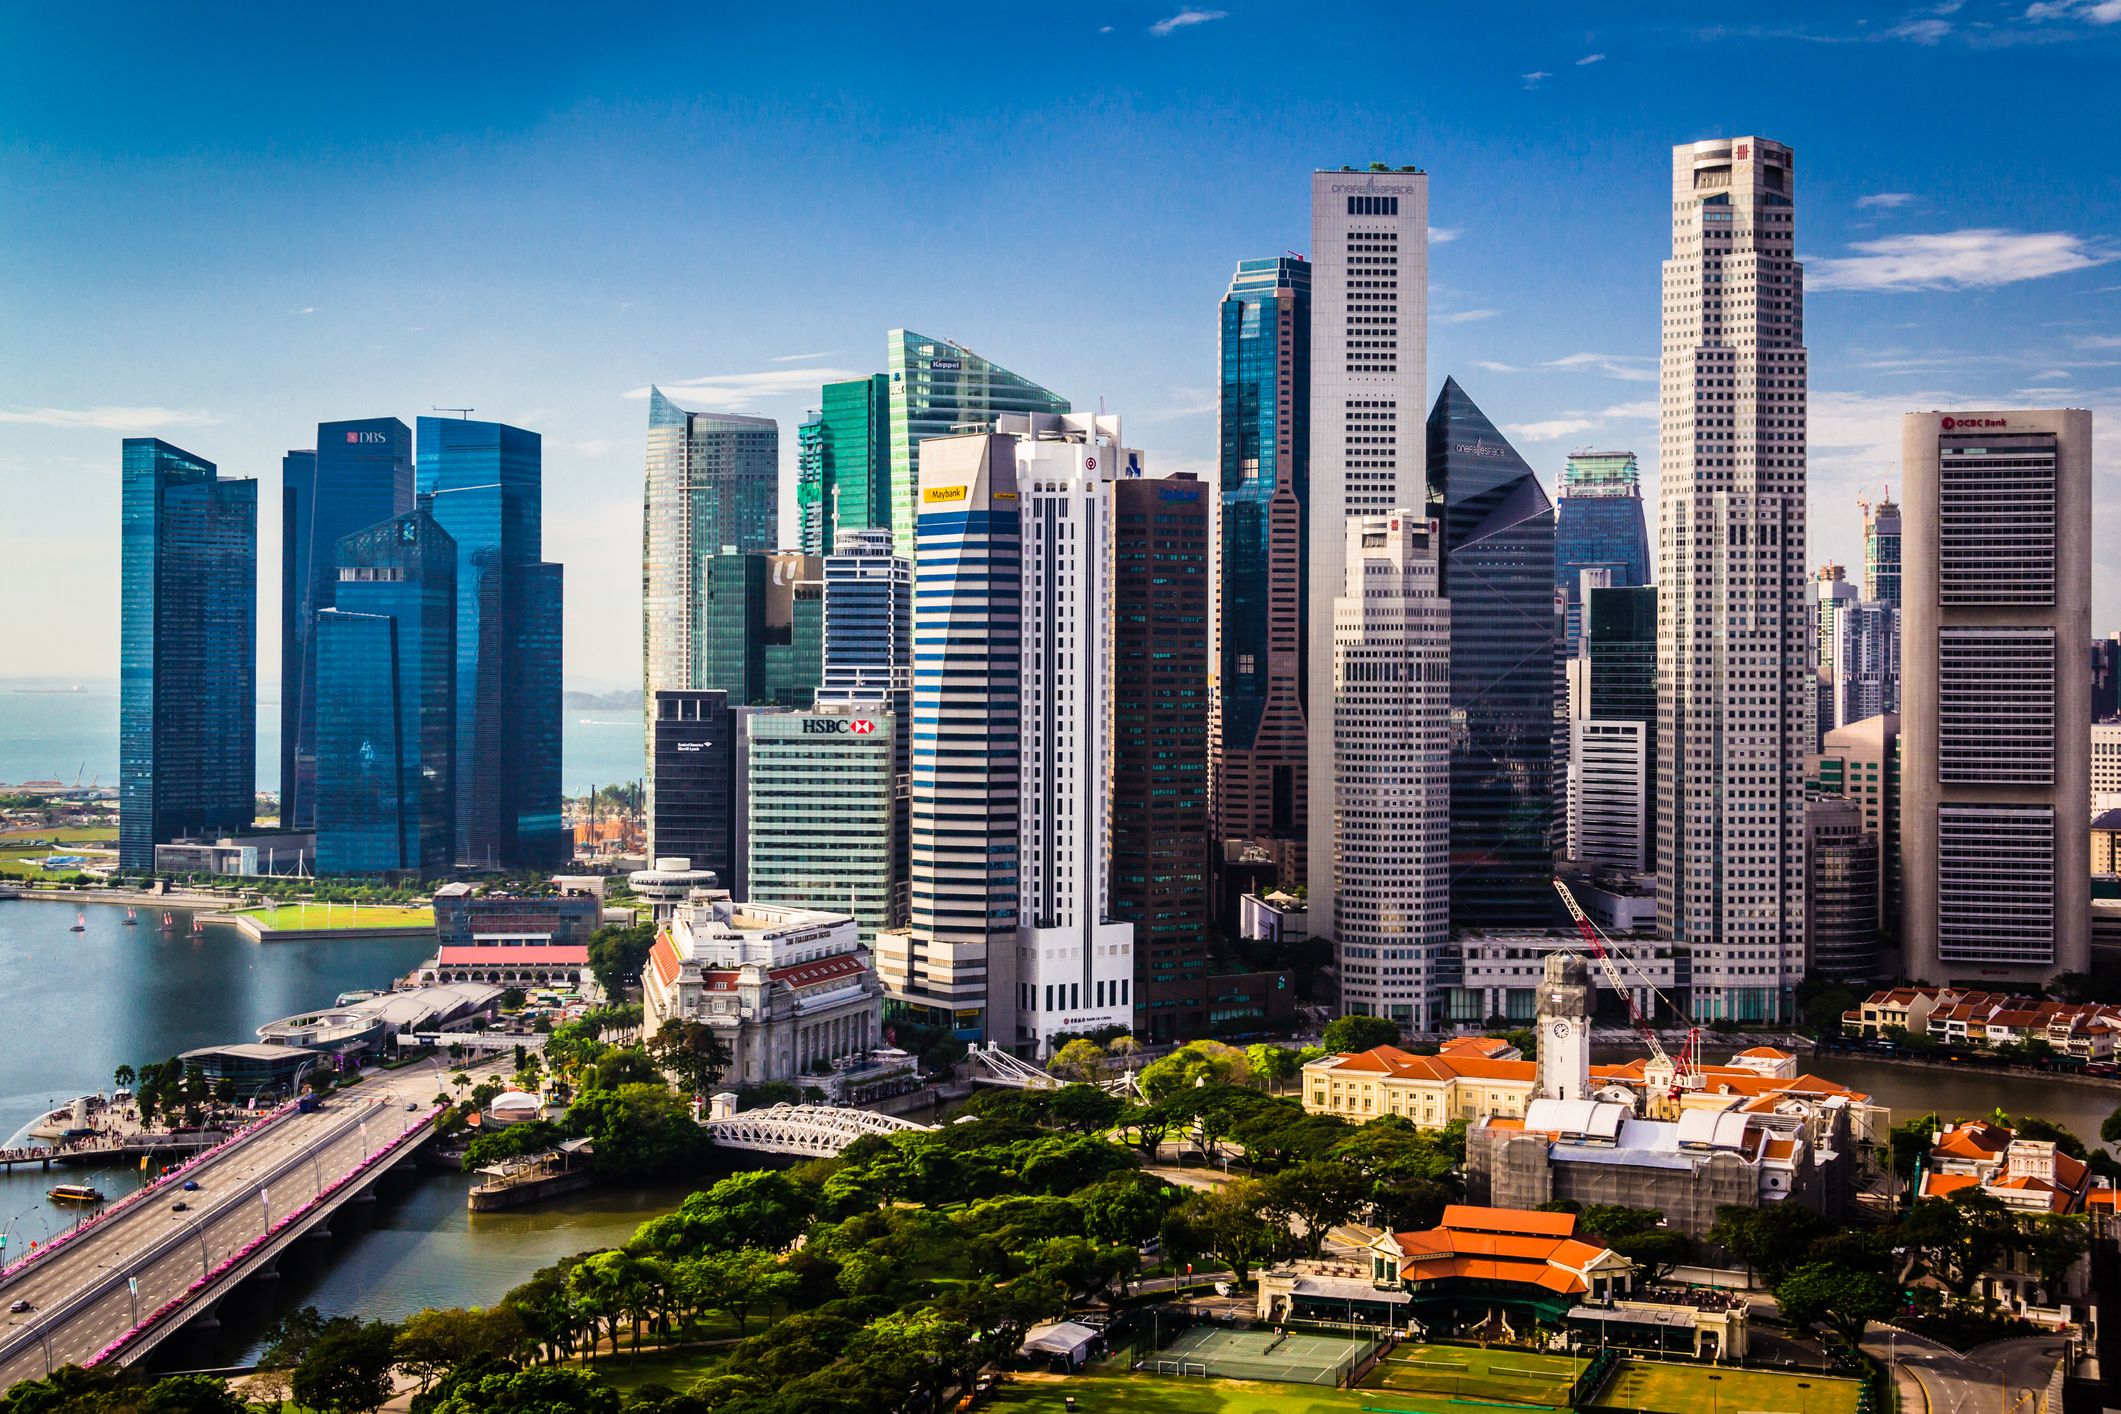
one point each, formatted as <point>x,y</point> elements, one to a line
<point>814,1131</point>
<point>114,1288</point>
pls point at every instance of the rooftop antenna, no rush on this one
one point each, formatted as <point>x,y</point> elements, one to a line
<point>460,412</point>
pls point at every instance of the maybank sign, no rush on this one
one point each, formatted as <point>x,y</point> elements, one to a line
<point>932,494</point>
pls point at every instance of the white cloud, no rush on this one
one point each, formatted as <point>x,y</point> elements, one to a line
<point>310,310</point>
<point>802,358</point>
<point>1971,259</point>
<point>739,392</point>
<point>1889,200</point>
<point>1444,235</point>
<point>1552,430</point>
<point>2098,12</point>
<point>1590,59</point>
<point>1645,411</point>
<point>1928,31</point>
<point>2097,341</point>
<point>1467,316</point>
<point>1493,367</point>
<point>1626,367</point>
<point>109,419</point>
<point>1191,402</point>
<point>1184,19</point>
<point>1535,78</point>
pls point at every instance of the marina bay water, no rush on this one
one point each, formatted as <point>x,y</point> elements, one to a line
<point>50,733</point>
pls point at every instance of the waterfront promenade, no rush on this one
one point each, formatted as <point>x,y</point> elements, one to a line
<point>113,1289</point>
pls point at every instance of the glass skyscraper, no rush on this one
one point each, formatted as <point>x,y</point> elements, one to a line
<point>386,702</point>
<point>762,623</point>
<point>819,808</point>
<point>812,518</point>
<point>869,659</point>
<point>938,388</point>
<point>1498,573</point>
<point>1620,640</point>
<point>359,474</point>
<point>1260,757</point>
<point>1598,524</point>
<point>486,480</point>
<point>188,654</point>
<point>855,456</point>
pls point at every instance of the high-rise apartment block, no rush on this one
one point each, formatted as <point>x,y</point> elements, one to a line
<point>1075,964</point>
<point>1881,551</point>
<point>386,666</point>
<point>1736,693</point>
<point>1498,573</point>
<point>1369,441</point>
<point>359,475</point>
<point>1598,529</point>
<point>188,650</point>
<point>1860,654</point>
<point>1160,827</point>
<point>1260,750</point>
<point>1995,784</point>
<point>819,807</point>
<point>967,666</point>
<point>486,481</point>
<point>938,388</point>
<point>1390,731</point>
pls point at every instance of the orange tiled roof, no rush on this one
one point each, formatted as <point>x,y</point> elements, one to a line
<point>1768,1053</point>
<point>1943,1185</point>
<point>1474,1046</point>
<point>1474,1217</point>
<point>1976,1140</point>
<point>1399,1064</point>
<point>2103,1198</point>
<point>664,956</point>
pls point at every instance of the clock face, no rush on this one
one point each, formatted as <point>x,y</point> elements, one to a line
<point>1561,1028</point>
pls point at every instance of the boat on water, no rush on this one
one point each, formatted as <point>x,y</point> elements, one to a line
<point>74,1193</point>
<point>80,922</point>
<point>169,920</point>
<point>132,915</point>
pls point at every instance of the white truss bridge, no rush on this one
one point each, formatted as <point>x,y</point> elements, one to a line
<point>814,1131</point>
<point>991,1065</point>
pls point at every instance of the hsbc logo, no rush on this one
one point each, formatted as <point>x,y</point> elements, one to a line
<point>837,726</point>
<point>1952,423</point>
<point>366,439</point>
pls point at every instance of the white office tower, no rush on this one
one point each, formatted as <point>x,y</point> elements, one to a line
<point>1609,793</point>
<point>1075,967</point>
<point>1862,655</point>
<point>1736,701</point>
<point>1369,418</point>
<point>1995,772</point>
<point>1389,733</point>
<point>869,660</point>
<point>2106,767</point>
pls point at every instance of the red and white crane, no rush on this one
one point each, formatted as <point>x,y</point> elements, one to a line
<point>1686,1071</point>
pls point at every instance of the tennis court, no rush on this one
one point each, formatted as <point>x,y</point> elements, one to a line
<point>1517,1377</point>
<point>1658,1388</point>
<point>1286,1357</point>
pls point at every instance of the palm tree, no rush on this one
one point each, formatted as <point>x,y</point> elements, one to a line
<point>124,1076</point>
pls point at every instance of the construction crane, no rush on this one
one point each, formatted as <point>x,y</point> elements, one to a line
<point>1686,1071</point>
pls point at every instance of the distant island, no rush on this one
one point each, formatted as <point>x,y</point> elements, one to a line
<point>602,701</point>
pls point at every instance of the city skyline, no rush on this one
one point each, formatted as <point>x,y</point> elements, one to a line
<point>1952,262</point>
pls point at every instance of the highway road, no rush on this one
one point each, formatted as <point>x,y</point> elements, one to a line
<point>2002,1377</point>
<point>80,1297</point>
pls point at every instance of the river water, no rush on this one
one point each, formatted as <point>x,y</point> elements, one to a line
<point>73,1006</point>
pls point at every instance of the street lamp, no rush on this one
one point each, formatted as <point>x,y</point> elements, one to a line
<point>9,1228</point>
<point>198,1231</point>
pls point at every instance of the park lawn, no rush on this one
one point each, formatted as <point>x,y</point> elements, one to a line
<point>1136,1393</point>
<point>673,1370</point>
<point>1658,1388</point>
<point>294,916</point>
<point>65,834</point>
<point>1471,1373</point>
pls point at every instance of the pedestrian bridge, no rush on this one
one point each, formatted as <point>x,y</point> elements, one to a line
<point>991,1065</point>
<point>813,1131</point>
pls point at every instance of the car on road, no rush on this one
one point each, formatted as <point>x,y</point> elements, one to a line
<point>413,1106</point>
<point>19,1305</point>
<point>180,1206</point>
<point>191,1185</point>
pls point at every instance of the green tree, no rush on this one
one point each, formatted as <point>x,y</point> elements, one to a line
<point>533,1391</point>
<point>1126,1207</point>
<point>1658,1252</point>
<point>617,953</point>
<point>1192,1065</point>
<point>124,1076</point>
<point>347,1368</point>
<point>532,1136</point>
<point>1350,1034</point>
<point>1276,1065</point>
<point>1315,1197</point>
<point>2047,1131</point>
<point>188,1394</point>
<point>2110,1128</point>
<point>432,1342</point>
<point>1084,1108</point>
<point>737,1282</point>
<point>289,1338</point>
<point>760,1208</point>
<point>638,1130</point>
<point>693,1052</point>
<point>1082,1060</point>
<point>1771,1240</point>
<point>1232,1225</point>
<point>1842,1299</point>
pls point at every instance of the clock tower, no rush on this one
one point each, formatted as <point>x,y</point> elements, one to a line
<point>1565,1029</point>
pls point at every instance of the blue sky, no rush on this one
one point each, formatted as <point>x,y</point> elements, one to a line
<point>223,229</point>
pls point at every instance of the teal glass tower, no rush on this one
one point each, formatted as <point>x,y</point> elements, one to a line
<point>1498,573</point>
<point>188,650</point>
<point>812,524</point>
<point>939,388</point>
<point>485,480</point>
<point>854,454</point>
<point>1260,759</point>
<point>386,691</point>
<point>359,474</point>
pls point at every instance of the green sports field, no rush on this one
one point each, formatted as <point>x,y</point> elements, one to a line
<point>1466,1373</point>
<point>1698,1389</point>
<point>294,916</point>
<point>1152,1394</point>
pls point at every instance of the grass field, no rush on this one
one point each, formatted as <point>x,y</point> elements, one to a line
<point>1466,1373</point>
<point>1149,1394</point>
<point>676,1371</point>
<point>343,915</point>
<point>1696,1389</point>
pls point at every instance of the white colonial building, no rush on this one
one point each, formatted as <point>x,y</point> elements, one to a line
<point>790,990</point>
